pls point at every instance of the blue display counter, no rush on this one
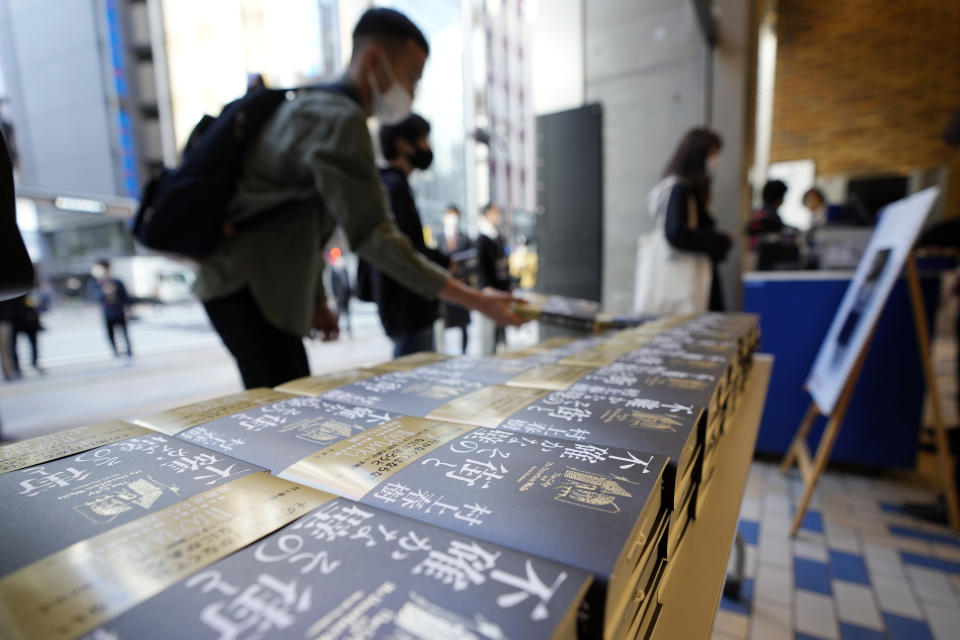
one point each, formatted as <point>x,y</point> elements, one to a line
<point>882,425</point>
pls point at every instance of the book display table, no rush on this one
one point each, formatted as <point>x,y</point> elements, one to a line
<point>699,570</point>
<point>581,488</point>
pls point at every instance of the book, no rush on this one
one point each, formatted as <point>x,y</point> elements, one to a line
<point>532,372</point>
<point>52,446</point>
<point>605,415</point>
<point>411,361</point>
<point>554,498</point>
<point>425,394</point>
<point>349,570</point>
<point>275,436</point>
<point>72,591</point>
<point>575,313</point>
<point>646,586</point>
<point>53,505</point>
<point>173,421</point>
<point>315,385</point>
<point>606,320</point>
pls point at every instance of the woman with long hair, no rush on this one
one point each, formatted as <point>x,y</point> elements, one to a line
<point>680,275</point>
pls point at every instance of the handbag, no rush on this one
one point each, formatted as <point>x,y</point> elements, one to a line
<point>670,280</point>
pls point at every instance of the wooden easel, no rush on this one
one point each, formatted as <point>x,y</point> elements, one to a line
<point>811,469</point>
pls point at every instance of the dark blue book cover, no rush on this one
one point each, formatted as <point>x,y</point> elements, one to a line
<point>550,497</point>
<point>349,570</point>
<point>50,506</point>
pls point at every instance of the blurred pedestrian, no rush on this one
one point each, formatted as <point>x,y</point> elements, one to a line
<point>458,247</point>
<point>767,218</point>
<point>8,360</point>
<point>342,291</point>
<point>493,266</point>
<point>312,168</point>
<point>113,299</point>
<point>676,262</point>
<point>774,243</point>
<point>407,318</point>
<point>26,321</point>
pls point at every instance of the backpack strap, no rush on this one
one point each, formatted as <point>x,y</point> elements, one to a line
<point>254,220</point>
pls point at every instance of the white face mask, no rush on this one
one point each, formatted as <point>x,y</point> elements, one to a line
<point>451,225</point>
<point>712,163</point>
<point>392,105</point>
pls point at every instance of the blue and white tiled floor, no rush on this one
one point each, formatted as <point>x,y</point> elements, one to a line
<point>858,569</point>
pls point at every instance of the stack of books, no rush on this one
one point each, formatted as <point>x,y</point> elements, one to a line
<point>540,494</point>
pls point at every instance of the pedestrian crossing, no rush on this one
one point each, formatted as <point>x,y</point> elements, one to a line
<point>77,335</point>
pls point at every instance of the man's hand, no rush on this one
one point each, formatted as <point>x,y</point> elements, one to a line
<point>490,302</point>
<point>325,322</point>
<point>495,305</point>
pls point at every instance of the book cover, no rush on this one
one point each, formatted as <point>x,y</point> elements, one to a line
<point>349,570</point>
<point>542,348</point>
<point>554,498</point>
<point>484,369</point>
<point>617,416</point>
<point>563,311</point>
<point>315,385</point>
<point>173,421</point>
<point>51,506</point>
<point>411,361</point>
<point>76,589</point>
<point>688,385</point>
<point>275,436</point>
<point>52,446</point>
<point>426,394</point>
<point>533,372</point>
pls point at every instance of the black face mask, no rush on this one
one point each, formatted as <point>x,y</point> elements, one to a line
<point>421,158</point>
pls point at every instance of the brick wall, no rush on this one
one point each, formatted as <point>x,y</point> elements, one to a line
<point>867,86</point>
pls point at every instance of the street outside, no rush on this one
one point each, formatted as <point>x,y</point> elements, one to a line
<point>178,359</point>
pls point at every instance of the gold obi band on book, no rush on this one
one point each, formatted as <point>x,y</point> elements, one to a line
<point>74,590</point>
<point>28,453</point>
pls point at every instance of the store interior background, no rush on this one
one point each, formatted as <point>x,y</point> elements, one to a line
<point>99,93</point>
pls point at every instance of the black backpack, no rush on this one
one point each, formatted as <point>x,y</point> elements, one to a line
<point>183,210</point>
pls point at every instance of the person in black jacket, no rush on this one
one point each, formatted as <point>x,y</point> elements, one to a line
<point>767,218</point>
<point>26,320</point>
<point>406,317</point>
<point>113,299</point>
<point>774,241</point>
<point>493,267</point>
<point>691,169</point>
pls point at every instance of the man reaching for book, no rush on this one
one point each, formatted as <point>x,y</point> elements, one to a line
<point>313,167</point>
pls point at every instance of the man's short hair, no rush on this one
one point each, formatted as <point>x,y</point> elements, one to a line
<point>454,208</point>
<point>774,190</point>
<point>813,191</point>
<point>411,129</point>
<point>487,207</point>
<point>390,28</point>
<point>103,262</point>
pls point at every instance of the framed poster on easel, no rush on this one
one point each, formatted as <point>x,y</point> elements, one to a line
<point>837,366</point>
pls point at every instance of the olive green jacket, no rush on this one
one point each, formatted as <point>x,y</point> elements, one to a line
<point>310,171</point>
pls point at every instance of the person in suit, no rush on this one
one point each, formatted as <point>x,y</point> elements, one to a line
<point>493,267</point>
<point>454,241</point>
